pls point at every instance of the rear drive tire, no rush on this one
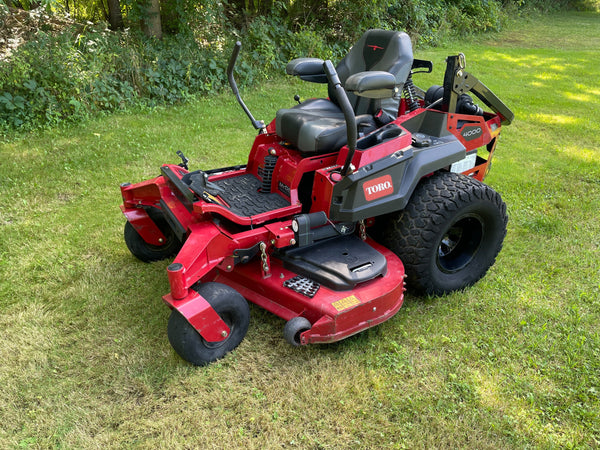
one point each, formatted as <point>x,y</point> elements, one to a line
<point>449,234</point>
<point>147,252</point>
<point>233,310</point>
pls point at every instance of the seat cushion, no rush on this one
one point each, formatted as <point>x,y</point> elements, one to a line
<point>315,126</point>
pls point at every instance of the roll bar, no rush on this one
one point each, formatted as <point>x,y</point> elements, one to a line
<point>257,124</point>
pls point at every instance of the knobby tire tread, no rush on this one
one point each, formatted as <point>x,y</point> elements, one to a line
<point>414,232</point>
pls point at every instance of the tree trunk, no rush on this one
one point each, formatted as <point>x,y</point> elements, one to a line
<point>151,25</point>
<point>115,18</point>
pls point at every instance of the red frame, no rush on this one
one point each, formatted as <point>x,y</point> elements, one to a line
<point>208,252</point>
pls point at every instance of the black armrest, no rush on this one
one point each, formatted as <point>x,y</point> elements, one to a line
<point>308,69</point>
<point>372,84</point>
<point>422,64</point>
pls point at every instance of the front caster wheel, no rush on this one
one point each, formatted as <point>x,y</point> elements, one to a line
<point>294,328</point>
<point>233,310</point>
<point>448,235</point>
<point>147,252</point>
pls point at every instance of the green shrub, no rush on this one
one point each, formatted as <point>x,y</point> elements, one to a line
<point>66,77</point>
<point>86,70</point>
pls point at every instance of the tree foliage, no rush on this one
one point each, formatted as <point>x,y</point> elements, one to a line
<point>82,69</point>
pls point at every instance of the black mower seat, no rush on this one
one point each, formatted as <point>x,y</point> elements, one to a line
<point>318,125</point>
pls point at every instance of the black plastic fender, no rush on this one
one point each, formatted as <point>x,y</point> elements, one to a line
<point>386,185</point>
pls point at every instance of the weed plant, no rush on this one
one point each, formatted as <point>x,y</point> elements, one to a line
<point>512,362</point>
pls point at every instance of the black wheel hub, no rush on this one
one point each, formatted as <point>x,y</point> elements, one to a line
<point>459,244</point>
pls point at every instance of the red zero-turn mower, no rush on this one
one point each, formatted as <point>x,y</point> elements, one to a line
<point>341,200</point>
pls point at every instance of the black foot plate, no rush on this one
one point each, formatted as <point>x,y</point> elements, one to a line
<point>339,263</point>
<point>242,194</point>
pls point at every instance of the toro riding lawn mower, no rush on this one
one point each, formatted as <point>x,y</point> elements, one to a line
<point>341,201</point>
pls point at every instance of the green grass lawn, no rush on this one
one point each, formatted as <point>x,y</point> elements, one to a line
<point>512,362</point>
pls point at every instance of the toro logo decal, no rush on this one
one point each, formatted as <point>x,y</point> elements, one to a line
<point>377,188</point>
<point>470,133</point>
<point>375,47</point>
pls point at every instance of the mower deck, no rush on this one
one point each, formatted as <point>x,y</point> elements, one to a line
<point>334,314</point>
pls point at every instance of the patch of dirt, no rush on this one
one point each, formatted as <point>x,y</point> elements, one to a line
<point>17,26</point>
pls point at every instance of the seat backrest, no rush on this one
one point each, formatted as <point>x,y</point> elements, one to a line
<point>389,51</point>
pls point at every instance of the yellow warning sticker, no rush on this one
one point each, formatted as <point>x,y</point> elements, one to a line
<point>346,303</point>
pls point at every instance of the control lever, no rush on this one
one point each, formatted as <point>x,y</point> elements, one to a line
<point>184,161</point>
<point>346,107</point>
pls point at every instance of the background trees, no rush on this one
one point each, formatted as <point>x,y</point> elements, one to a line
<point>157,16</point>
<point>59,61</point>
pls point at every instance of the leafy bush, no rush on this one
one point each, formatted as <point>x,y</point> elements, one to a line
<point>66,76</point>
